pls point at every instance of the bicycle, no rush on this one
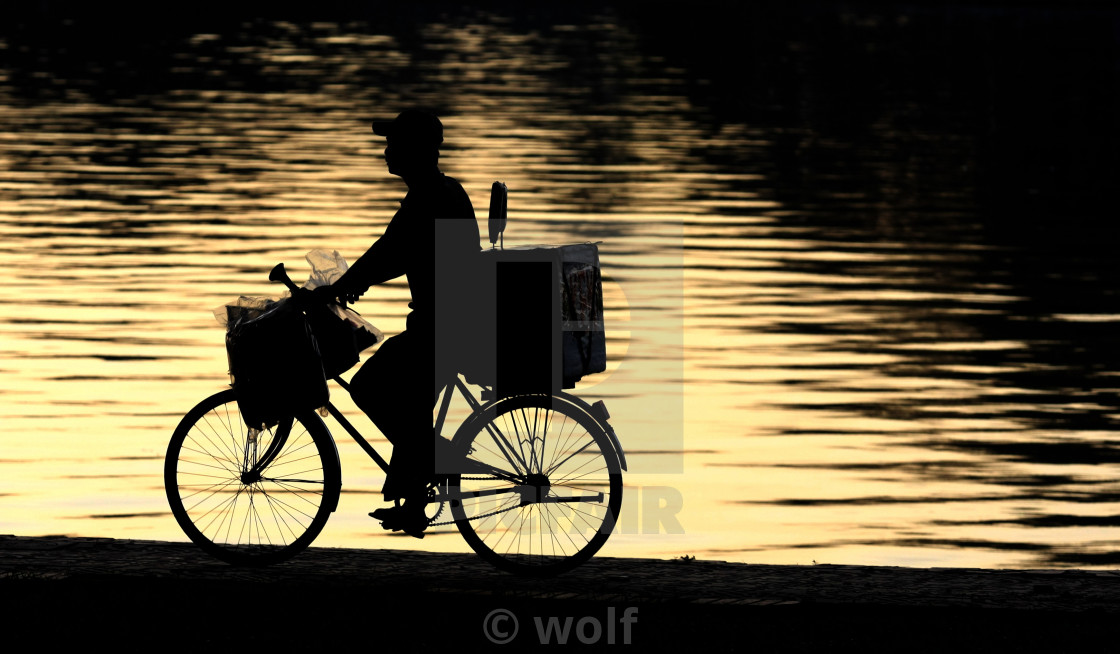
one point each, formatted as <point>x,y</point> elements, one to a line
<point>535,487</point>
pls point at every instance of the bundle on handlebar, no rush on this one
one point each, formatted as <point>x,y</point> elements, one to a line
<point>340,333</point>
<point>275,366</point>
<point>280,359</point>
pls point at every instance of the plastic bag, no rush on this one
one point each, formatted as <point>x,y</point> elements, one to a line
<point>326,268</point>
<point>340,333</point>
<point>242,309</point>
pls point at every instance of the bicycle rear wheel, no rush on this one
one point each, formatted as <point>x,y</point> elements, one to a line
<point>542,488</point>
<point>234,516</point>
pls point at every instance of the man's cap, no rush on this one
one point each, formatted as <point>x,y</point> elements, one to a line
<point>413,125</point>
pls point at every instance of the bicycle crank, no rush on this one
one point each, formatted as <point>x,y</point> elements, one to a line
<point>434,498</point>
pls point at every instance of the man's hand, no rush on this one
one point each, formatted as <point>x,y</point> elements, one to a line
<point>352,297</point>
<point>346,294</point>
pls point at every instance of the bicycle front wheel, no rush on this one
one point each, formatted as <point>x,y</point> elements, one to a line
<point>542,487</point>
<point>234,515</point>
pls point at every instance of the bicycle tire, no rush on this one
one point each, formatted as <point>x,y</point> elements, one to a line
<point>263,522</point>
<point>574,460</point>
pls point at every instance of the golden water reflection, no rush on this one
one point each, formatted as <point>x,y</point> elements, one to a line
<point>846,397</point>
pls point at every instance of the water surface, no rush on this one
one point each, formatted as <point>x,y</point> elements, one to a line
<point>899,346</point>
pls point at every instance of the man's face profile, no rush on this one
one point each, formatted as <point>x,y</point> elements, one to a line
<point>391,158</point>
<point>405,156</point>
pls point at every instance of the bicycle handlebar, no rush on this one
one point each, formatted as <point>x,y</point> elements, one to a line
<point>278,274</point>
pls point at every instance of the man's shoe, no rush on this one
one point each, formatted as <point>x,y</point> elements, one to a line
<point>399,518</point>
<point>414,527</point>
<point>387,513</point>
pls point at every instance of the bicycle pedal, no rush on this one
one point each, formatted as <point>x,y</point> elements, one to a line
<point>389,525</point>
<point>415,531</point>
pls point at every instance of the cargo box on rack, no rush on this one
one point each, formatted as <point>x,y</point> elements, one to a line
<point>274,366</point>
<point>540,319</point>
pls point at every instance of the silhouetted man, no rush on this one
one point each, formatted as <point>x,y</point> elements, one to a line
<point>399,385</point>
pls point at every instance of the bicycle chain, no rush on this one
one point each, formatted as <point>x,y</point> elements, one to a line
<point>477,517</point>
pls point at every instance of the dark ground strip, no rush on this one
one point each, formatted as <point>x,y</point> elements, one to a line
<point>84,591</point>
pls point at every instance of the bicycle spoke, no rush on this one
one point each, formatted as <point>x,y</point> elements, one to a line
<point>306,458</point>
<point>567,439</point>
<point>281,513</point>
<point>225,485</point>
<point>222,512</point>
<point>228,446</point>
<point>569,477</point>
<point>278,480</point>
<point>278,518</point>
<point>300,494</point>
<point>505,447</point>
<point>245,521</point>
<point>568,535</point>
<point>234,435</point>
<point>290,451</point>
<point>197,463</point>
<point>292,508</point>
<point>232,467</point>
<point>482,447</point>
<point>521,442</point>
<point>217,510</point>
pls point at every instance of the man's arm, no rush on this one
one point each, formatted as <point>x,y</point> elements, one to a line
<point>380,263</point>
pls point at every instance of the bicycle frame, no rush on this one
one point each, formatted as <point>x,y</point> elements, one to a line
<point>447,392</point>
<point>354,433</point>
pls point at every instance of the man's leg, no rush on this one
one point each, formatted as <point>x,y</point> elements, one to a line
<point>394,389</point>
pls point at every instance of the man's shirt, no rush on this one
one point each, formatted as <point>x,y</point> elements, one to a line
<point>434,231</point>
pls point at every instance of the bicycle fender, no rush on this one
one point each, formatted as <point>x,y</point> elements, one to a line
<point>604,423</point>
<point>570,399</point>
<point>617,446</point>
